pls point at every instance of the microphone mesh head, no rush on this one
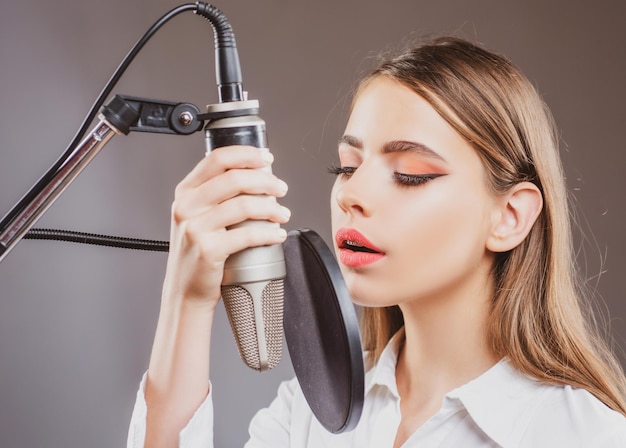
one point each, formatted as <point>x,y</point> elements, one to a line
<point>273,295</point>
<point>239,305</point>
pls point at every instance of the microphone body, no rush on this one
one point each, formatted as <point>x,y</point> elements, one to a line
<point>253,284</point>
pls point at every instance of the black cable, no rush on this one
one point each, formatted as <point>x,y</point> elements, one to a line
<point>97,239</point>
<point>45,179</point>
<point>89,238</point>
<point>229,74</point>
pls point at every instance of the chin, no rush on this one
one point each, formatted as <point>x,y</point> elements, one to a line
<point>365,296</point>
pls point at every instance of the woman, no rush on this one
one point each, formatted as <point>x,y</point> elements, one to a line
<point>452,230</point>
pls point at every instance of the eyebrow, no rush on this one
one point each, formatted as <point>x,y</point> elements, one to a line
<point>395,146</point>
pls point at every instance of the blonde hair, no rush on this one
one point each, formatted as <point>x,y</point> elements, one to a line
<point>537,319</point>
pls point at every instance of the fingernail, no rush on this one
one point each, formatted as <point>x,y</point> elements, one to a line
<point>281,233</point>
<point>283,186</point>
<point>285,211</point>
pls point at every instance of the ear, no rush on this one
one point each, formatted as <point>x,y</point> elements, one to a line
<point>514,216</point>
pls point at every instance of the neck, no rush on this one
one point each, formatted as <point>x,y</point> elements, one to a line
<point>445,344</point>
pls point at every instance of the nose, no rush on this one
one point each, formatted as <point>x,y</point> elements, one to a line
<point>351,193</point>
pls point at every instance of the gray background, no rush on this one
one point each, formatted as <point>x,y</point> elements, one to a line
<point>76,322</point>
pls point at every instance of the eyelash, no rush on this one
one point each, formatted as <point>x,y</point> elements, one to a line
<point>343,171</point>
<point>404,180</point>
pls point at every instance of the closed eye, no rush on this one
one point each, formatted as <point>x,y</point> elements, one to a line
<point>412,180</point>
<point>343,171</point>
<point>402,179</point>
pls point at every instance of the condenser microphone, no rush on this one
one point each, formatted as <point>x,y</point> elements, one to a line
<point>253,283</point>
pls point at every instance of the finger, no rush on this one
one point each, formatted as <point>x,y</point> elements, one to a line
<point>243,208</point>
<point>245,237</point>
<point>226,158</point>
<point>227,186</point>
<point>211,248</point>
<point>217,246</point>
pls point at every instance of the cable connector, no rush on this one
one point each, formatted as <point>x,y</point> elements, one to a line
<point>227,66</point>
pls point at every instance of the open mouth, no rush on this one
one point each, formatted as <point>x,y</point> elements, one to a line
<point>356,247</point>
<point>355,250</point>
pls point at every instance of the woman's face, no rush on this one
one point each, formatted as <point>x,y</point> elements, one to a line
<point>411,210</point>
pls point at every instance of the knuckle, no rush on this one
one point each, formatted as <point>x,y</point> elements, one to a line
<point>213,249</point>
<point>247,205</point>
<point>220,158</point>
<point>177,215</point>
<point>237,177</point>
<point>216,160</point>
<point>179,191</point>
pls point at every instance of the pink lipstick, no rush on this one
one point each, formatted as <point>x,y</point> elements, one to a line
<point>355,250</point>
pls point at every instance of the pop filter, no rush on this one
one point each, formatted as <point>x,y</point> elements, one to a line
<point>322,332</point>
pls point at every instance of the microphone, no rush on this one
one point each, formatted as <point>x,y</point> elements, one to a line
<point>253,283</point>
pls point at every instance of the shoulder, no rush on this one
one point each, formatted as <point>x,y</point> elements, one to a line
<point>514,409</point>
<point>566,416</point>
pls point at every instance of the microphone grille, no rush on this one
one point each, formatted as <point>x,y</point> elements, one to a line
<point>264,353</point>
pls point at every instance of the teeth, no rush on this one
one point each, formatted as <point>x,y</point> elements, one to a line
<point>353,245</point>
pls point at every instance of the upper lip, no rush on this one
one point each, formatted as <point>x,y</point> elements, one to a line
<point>346,238</point>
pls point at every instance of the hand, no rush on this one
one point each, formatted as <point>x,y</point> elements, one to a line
<point>230,185</point>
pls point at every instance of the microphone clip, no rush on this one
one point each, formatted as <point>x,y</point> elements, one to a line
<point>130,113</point>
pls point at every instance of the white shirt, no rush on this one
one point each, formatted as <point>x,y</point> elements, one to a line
<point>500,408</point>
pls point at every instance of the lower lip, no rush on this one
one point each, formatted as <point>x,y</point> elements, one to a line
<point>358,259</point>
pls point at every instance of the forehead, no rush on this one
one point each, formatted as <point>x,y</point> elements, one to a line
<point>386,110</point>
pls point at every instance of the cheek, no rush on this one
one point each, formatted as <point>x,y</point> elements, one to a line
<point>437,246</point>
<point>454,232</point>
<point>438,229</point>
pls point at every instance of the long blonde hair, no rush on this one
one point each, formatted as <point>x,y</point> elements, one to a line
<point>538,320</point>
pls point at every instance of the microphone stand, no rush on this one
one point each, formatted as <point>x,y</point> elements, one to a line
<point>186,119</point>
<point>83,154</point>
<point>122,115</point>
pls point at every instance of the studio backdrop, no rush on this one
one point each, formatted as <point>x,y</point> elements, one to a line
<point>76,321</point>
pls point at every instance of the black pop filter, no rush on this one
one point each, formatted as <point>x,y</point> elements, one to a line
<point>322,332</point>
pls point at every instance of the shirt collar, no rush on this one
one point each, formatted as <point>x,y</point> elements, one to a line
<point>500,401</point>
<point>383,373</point>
